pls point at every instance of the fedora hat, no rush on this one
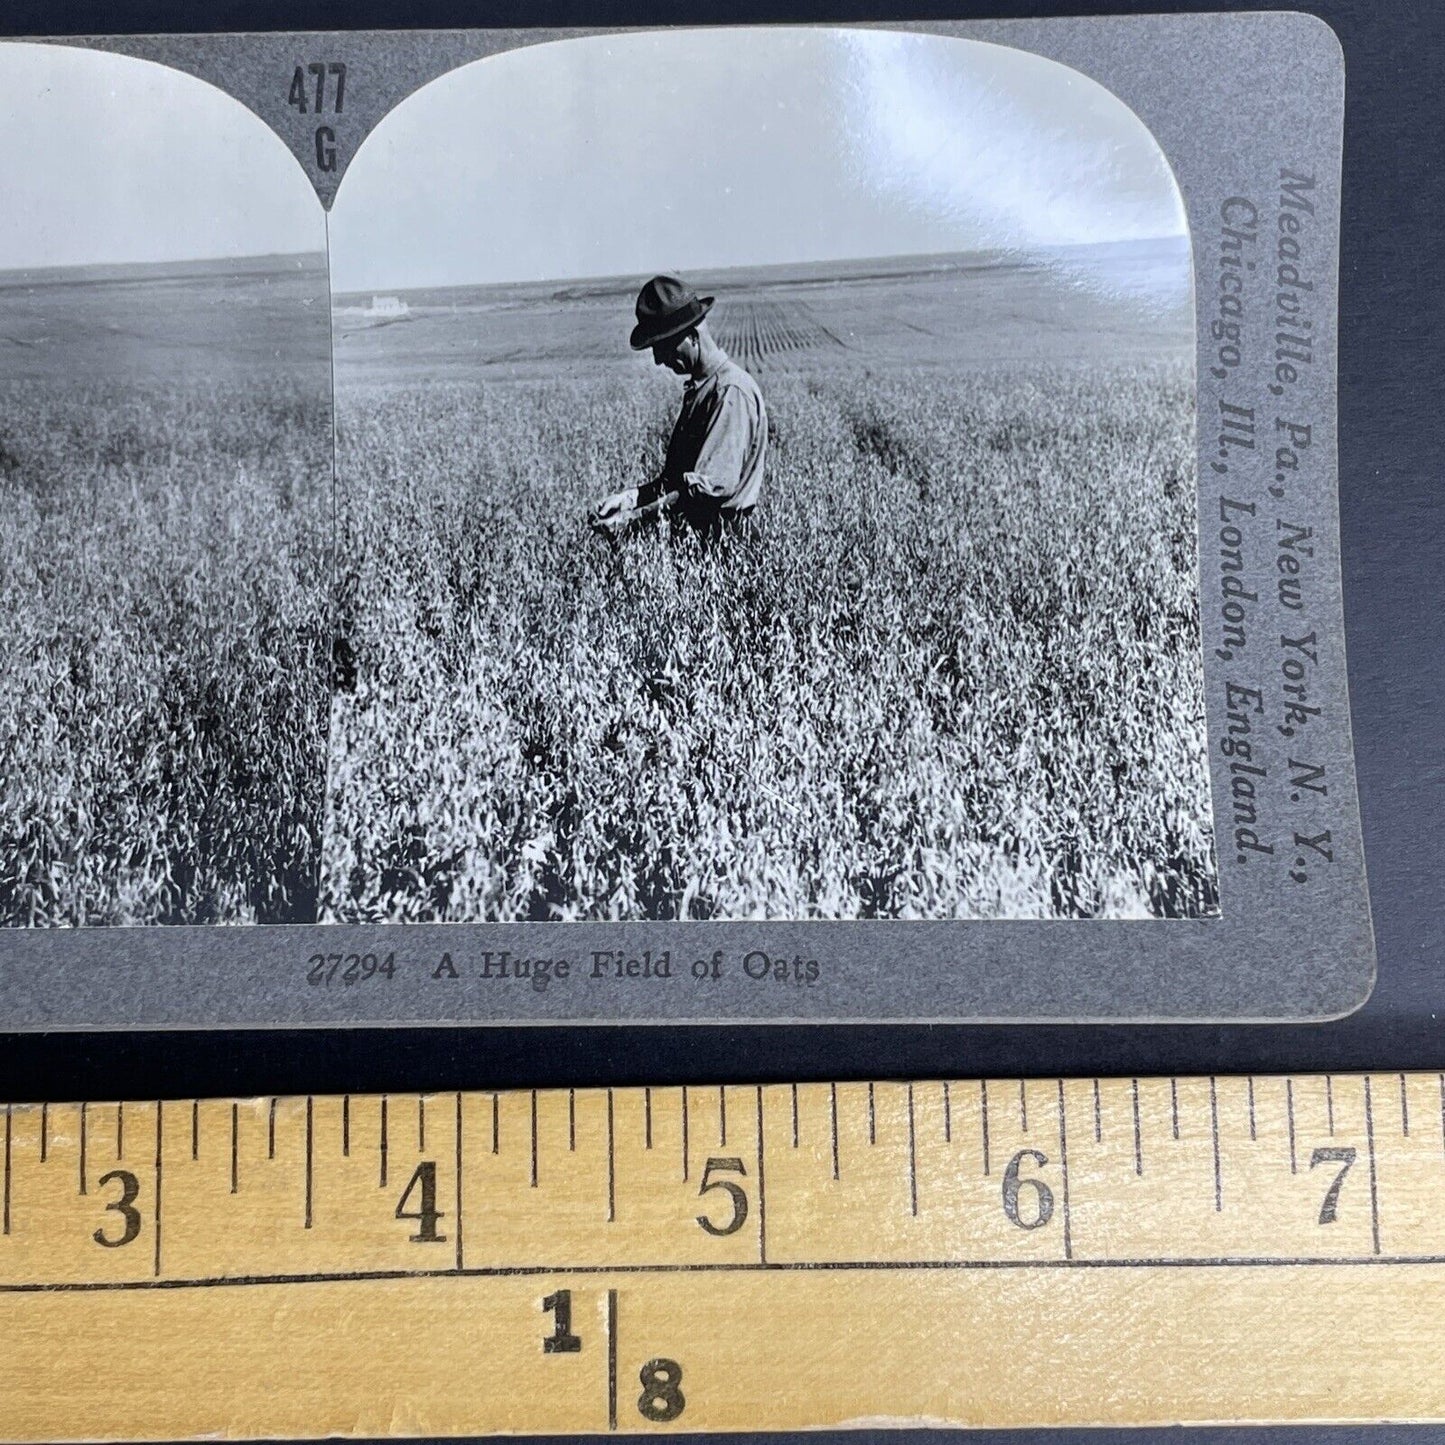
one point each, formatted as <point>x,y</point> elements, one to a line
<point>666,307</point>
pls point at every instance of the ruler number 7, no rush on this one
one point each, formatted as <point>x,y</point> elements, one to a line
<point>1335,1154</point>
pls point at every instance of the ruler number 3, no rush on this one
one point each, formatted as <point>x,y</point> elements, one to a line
<point>124,1206</point>
<point>1336,1154</point>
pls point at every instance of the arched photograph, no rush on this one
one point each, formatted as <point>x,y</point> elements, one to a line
<point>766,489</point>
<point>165,501</point>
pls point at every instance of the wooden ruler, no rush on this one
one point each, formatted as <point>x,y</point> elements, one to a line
<point>1049,1252</point>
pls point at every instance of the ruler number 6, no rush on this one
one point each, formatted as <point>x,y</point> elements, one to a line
<point>735,1191</point>
<point>1043,1195</point>
<point>1336,1154</point>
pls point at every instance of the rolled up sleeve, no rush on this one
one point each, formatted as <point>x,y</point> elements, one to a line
<point>719,471</point>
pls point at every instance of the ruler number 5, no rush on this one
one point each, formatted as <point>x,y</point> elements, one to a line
<point>1336,1154</point>
<point>734,1189</point>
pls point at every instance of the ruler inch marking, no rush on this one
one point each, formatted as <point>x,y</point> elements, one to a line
<point>1174,1107</point>
<point>310,1146</point>
<point>872,1115</point>
<point>235,1149</point>
<point>533,1141</point>
<point>45,1127</point>
<point>383,1143</point>
<point>795,1115</point>
<point>1064,1169</point>
<point>1289,1114</point>
<point>983,1097</point>
<point>1138,1133</point>
<point>684,1134</point>
<point>947,1115</point>
<point>571,1121</point>
<point>1023,1106</point>
<point>120,1132</point>
<point>1214,1138</point>
<point>83,1109</point>
<point>156,1261</point>
<point>612,1359</point>
<point>421,1124</point>
<point>611,1166</point>
<point>1330,1104</point>
<point>1374,1188</point>
<point>833,1111</point>
<point>646,1117</point>
<point>460,1256</point>
<point>1253,1135</point>
<point>912,1158</point>
<point>346,1126</point>
<point>722,1115</point>
<point>195,1129</point>
<point>762,1187</point>
<point>271,1131</point>
<point>1404,1108</point>
<point>5,1226</point>
<point>496,1123</point>
<point>1098,1116</point>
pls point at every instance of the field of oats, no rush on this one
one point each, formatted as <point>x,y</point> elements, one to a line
<point>958,677</point>
<point>165,479</point>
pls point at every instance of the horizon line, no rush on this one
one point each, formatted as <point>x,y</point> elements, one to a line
<point>9,273</point>
<point>595,278</point>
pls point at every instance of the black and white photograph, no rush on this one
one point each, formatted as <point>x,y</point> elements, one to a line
<point>165,501</point>
<point>766,489</point>
<point>811,510</point>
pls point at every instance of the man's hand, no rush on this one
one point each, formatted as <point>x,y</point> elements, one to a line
<point>613,512</point>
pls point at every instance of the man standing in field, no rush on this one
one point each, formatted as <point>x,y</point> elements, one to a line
<point>713,472</point>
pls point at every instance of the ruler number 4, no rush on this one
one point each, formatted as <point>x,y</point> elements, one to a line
<point>426,1214</point>
<point>1344,1156</point>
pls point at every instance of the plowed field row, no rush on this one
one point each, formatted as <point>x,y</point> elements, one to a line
<point>763,333</point>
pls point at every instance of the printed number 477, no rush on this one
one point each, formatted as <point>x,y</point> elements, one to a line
<point>320,72</point>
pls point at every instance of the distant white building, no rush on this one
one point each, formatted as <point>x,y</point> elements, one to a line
<point>387,306</point>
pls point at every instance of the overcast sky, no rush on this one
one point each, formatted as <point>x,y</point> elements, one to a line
<point>704,149</point>
<point>106,159</point>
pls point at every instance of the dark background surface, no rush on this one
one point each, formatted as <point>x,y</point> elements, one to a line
<point>1392,439</point>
